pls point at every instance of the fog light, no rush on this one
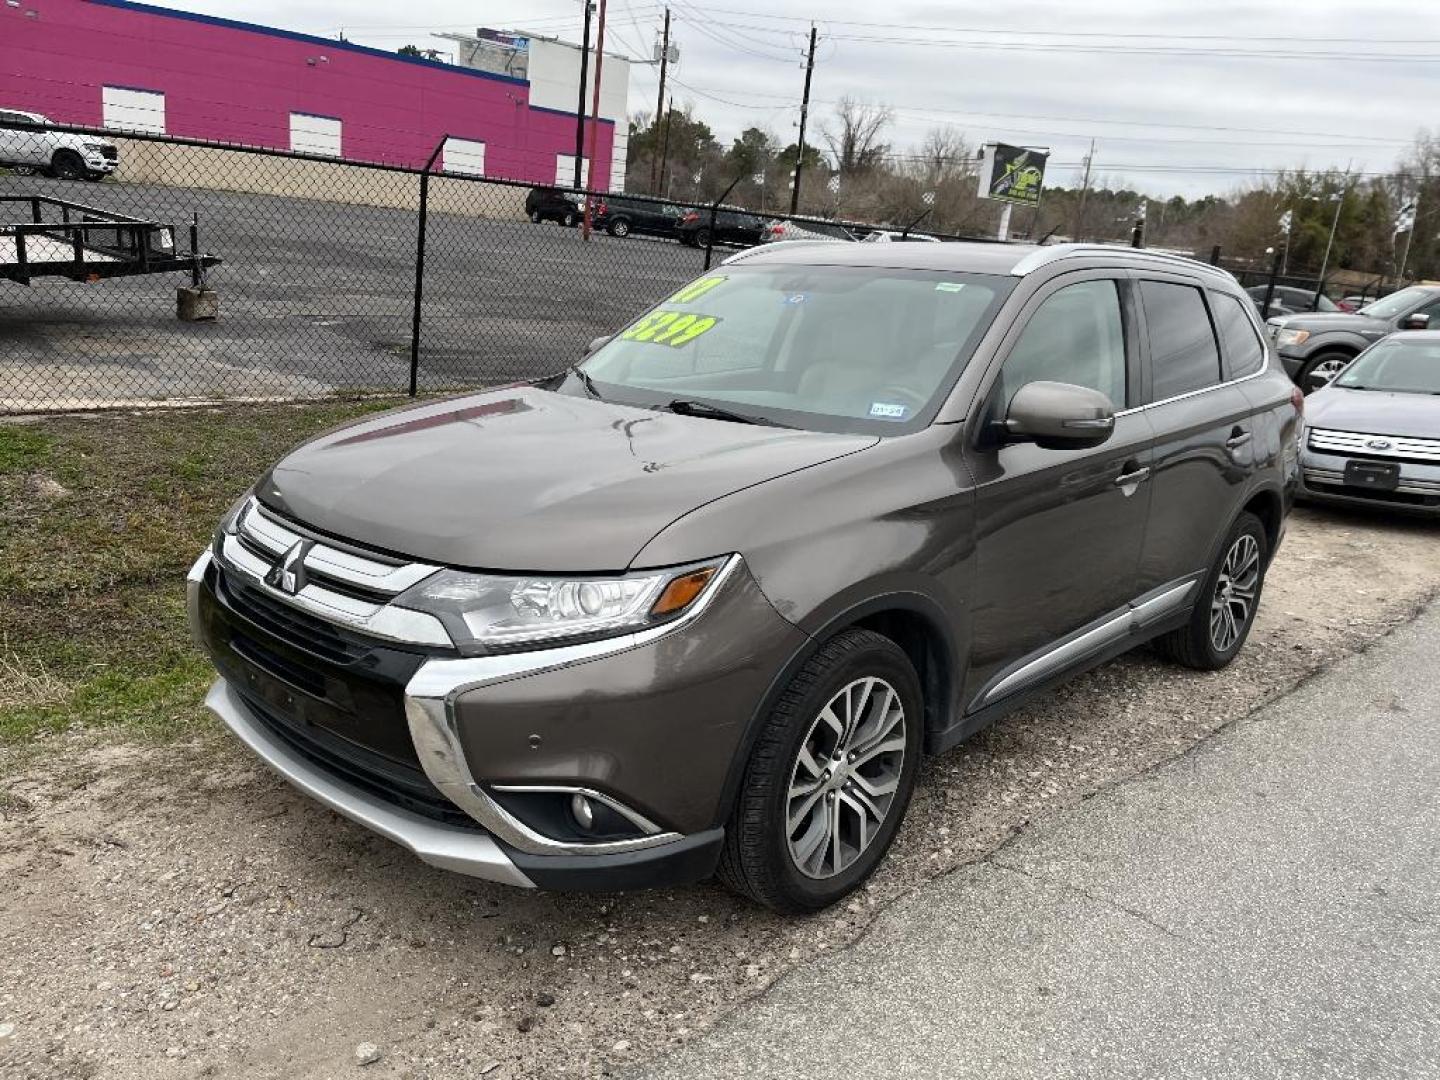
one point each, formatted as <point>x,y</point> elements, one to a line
<point>583,810</point>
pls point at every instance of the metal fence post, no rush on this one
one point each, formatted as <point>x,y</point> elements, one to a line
<point>1215,255</point>
<point>1270,285</point>
<point>420,264</point>
<point>710,232</point>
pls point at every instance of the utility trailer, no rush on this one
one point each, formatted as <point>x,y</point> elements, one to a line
<point>53,237</point>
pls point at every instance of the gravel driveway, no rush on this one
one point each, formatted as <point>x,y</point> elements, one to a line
<point>177,912</point>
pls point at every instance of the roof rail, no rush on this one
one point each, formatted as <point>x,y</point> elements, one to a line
<point>1055,252</point>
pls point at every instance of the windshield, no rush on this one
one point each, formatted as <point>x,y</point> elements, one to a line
<point>1395,303</point>
<point>832,348</point>
<point>1406,367</point>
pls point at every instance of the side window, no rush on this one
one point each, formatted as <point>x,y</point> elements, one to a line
<point>1183,353</point>
<point>1076,336</point>
<point>1242,346</point>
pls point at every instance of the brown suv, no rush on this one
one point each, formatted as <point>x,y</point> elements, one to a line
<point>701,603</point>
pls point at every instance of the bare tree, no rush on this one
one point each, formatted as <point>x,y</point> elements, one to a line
<point>855,135</point>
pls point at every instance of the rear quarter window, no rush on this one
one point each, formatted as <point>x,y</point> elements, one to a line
<point>1244,351</point>
<point>1184,356</point>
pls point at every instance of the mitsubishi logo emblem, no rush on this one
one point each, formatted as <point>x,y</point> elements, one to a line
<point>288,575</point>
<point>1378,444</point>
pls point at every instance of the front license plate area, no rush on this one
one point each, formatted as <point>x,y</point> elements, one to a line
<point>1375,475</point>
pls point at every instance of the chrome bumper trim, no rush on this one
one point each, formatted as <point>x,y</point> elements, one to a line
<point>1408,485</point>
<point>460,850</point>
<point>193,581</point>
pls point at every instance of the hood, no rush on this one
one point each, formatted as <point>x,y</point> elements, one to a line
<point>1374,412</point>
<point>1319,321</point>
<point>526,479</point>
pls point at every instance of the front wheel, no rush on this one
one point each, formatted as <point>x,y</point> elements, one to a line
<point>1229,597</point>
<point>535,218</point>
<point>702,238</point>
<point>620,228</point>
<point>829,777</point>
<point>569,221</point>
<point>67,165</point>
<point>1328,364</point>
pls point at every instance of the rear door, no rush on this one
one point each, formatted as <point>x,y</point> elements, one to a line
<point>14,143</point>
<point>1204,431</point>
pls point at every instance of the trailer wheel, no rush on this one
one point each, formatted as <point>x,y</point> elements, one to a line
<point>67,165</point>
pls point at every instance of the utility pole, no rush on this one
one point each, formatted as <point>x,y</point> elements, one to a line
<point>1330,242</point>
<point>665,147</point>
<point>804,112</point>
<point>660,101</point>
<point>595,117</point>
<point>580,108</point>
<point>1409,237</point>
<point>1084,191</point>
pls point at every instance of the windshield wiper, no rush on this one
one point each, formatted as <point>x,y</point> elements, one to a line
<point>691,407</point>
<point>586,381</point>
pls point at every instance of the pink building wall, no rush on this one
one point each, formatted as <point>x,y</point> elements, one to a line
<point>235,82</point>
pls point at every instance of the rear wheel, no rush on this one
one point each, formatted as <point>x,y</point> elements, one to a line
<point>1229,597</point>
<point>1328,364</point>
<point>702,237</point>
<point>829,778</point>
<point>569,220</point>
<point>67,165</point>
<point>535,218</point>
<point>620,228</point>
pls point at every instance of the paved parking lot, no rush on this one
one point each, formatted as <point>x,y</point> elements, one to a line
<point>317,296</point>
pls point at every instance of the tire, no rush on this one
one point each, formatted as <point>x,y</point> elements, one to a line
<point>569,221</point>
<point>620,228</point>
<point>535,218</point>
<point>792,763</point>
<point>67,165</point>
<point>1197,644</point>
<point>702,238</point>
<point>1318,361</point>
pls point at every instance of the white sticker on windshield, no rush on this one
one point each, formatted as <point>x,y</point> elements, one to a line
<point>885,410</point>
<point>949,286</point>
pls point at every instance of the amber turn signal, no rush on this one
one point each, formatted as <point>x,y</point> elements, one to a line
<point>682,591</point>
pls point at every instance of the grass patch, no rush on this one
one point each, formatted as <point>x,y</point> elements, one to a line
<point>100,518</point>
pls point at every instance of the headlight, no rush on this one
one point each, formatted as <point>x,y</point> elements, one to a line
<point>482,610</point>
<point>1292,337</point>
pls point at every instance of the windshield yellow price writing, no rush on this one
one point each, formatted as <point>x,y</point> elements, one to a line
<point>697,289</point>
<point>673,328</point>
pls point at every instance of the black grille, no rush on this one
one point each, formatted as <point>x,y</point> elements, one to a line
<point>380,776</point>
<point>1400,498</point>
<point>109,153</point>
<point>292,625</point>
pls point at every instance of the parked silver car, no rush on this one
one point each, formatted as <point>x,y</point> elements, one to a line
<point>1372,435</point>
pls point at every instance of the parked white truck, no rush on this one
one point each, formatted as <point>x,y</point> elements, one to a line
<point>26,145</point>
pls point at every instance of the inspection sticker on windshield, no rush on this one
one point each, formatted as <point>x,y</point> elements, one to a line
<point>949,286</point>
<point>697,289</point>
<point>673,328</point>
<point>887,410</point>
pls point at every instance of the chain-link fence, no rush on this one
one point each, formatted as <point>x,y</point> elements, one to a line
<point>328,276</point>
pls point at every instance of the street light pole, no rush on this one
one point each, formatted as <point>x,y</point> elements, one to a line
<point>580,107</point>
<point>595,120</point>
<point>1330,241</point>
<point>804,111</point>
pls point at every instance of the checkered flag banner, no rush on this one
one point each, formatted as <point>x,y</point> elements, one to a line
<point>1285,221</point>
<point>1405,219</point>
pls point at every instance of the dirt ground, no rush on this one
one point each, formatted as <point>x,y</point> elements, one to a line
<point>178,912</point>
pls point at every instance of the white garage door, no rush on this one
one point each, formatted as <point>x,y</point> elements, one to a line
<point>565,170</point>
<point>133,110</point>
<point>314,134</point>
<point>463,156</point>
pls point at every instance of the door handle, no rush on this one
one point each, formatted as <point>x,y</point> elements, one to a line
<point>1135,477</point>
<point>1237,440</point>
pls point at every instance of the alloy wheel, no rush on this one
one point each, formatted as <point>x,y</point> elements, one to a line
<point>845,777</point>
<point>1233,604</point>
<point>1332,367</point>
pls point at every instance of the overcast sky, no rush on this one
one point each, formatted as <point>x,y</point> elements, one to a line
<point>1180,96</point>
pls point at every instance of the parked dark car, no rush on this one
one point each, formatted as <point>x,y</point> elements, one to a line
<point>622,217</point>
<point>733,227</point>
<point>1372,435</point>
<point>552,204</point>
<point>701,603</point>
<point>1324,343</point>
<point>1289,300</point>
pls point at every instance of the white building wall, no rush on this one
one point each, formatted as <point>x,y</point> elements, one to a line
<point>555,84</point>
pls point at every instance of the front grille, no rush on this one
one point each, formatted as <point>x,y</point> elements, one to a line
<point>1420,451</point>
<point>395,783</point>
<point>109,153</point>
<point>290,624</point>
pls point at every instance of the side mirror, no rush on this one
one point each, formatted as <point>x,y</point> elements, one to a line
<point>1059,416</point>
<point>596,343</point>
<point>1415,322</point>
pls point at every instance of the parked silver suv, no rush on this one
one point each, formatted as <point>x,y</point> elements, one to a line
<point>701,603</point>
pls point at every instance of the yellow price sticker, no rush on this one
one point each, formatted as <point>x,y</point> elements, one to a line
<point>697,289</point>
<point>673,328</point>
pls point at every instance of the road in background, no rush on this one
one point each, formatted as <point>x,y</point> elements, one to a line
<point>1267,905</point>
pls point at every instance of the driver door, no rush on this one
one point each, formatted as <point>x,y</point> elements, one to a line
<point>1058,532</point>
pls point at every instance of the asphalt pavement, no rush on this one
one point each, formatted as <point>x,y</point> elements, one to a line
<point>1267,905</point>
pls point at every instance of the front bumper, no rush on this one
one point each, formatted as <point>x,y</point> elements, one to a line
<point>432,750</point>
<point>1322,479</point>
